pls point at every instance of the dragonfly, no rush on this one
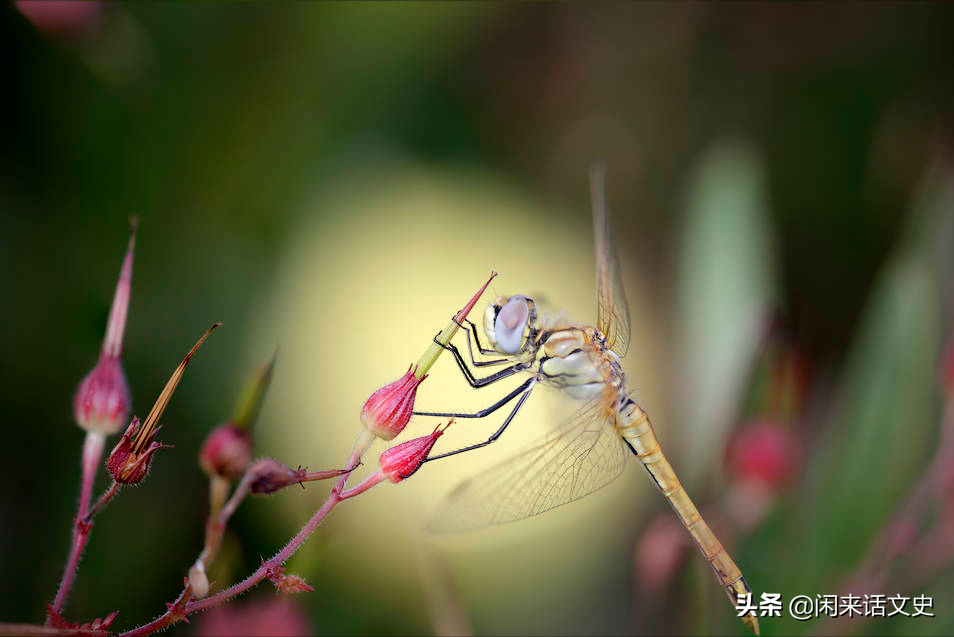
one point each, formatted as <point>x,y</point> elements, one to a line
<point>592,446</point>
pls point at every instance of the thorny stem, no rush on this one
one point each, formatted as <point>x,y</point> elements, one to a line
<point>92,454</point>
<point>181,608</point>
<point>174,614</point>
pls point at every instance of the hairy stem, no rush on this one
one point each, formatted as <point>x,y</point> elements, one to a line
<point>182,608</point>
<point>102,501</point>
<point>92,454</point>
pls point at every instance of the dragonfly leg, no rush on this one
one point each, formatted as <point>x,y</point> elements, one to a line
<point>525,386</point>
<point>472,331</point>
<point>496,434</point>
<point>472,380</point>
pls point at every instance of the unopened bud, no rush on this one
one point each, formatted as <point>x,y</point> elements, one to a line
<point>269,476</point>
<point>388,410</point>
<point>226,451</point>
<point>102,401</point>
<point>199,581</point>
<point>401,461</point>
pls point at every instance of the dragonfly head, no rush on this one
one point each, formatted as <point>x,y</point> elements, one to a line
<point>509,323</point>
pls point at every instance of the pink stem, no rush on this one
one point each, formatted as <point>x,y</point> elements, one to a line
<point>180,610</point>
<point>32,630</point>
<point>92,454</point>
<point>101,502</point>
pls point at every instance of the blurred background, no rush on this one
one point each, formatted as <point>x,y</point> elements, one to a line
<point>336,180</point>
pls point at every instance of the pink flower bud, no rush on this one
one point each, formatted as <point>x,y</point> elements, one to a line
<point>766,452</point>
<point>388,410</point>
<point>102,402</point>
<point>226,452</point>
<point>401,461</point>
<point>270,476</point>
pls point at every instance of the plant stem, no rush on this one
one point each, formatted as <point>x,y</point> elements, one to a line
<point>181,608</point>
<point>92,454</point>
<point>219,514</point>
<point>102,501</point>
<point>33,630</point>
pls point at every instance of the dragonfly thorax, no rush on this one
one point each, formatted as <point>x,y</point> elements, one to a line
<point>575,360</point>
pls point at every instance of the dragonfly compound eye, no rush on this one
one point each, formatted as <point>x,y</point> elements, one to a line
<point>511,324</point>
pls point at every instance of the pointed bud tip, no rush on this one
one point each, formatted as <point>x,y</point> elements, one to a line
<point>464,311</point>
<point>118,311</point>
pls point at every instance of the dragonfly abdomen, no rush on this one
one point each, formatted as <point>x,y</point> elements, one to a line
<point>636,429</point>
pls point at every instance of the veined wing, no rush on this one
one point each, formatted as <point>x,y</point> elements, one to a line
<point>580,456</point>
<point>613,312</point>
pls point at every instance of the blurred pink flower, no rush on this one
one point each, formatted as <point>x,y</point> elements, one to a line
<point>765,451</point>
<point>66,17</point>
<point>264,616</point>
<point>660,552</point>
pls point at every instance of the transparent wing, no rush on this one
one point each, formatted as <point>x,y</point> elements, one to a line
<point>613,312</point>
<point>580,456</point>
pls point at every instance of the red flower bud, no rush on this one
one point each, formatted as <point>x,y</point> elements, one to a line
<point>401,461</point>
<point>270,476</point>
<point>765,452</point>
<point>388,410</point>
<point>102,402</point>
<point>226,451</point>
